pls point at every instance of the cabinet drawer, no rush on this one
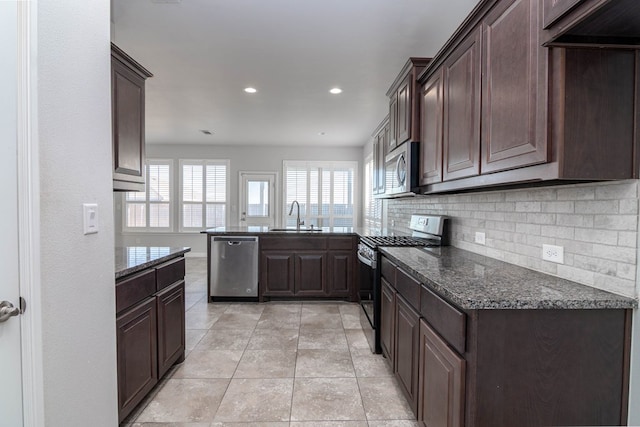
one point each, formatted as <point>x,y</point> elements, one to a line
<point>293,243</point>
<point>134,289</point>
<point>388,270</point>
<point>170,272</point>
<point>344,243</point>
<point>447,320</point>
<point>408,287</point>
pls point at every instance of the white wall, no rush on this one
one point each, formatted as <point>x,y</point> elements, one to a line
<point>77,291</point>
<point>243,158</point>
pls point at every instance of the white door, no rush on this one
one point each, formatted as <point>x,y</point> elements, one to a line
<point>258,198</point>
<point>10,357</point>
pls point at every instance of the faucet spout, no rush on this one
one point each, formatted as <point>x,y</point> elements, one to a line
<point>298,222</point>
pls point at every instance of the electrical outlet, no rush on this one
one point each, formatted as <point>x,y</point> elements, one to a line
<point>480,238</point>
<point>553,253</point>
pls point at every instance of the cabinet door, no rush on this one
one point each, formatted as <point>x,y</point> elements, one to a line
<point>382,146</point>
<point>407,329</point>
<point>441,382</point>
<point>376,162</point>
<point>392,141</point>
<point>136,341</point>
<point>310,272</point>
<point>387,320</point>
<point>340,273</point>
<point>512,100</point>
<point>277,273</point>
<point>404,110</point>
<point>431,131</point>
<point>461,131</point>
<point>127,106</point>
<point>171,326</point>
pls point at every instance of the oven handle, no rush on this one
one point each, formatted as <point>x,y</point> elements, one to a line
<point>367,261</point>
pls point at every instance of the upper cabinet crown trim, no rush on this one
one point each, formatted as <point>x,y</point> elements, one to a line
<point>134,65</point>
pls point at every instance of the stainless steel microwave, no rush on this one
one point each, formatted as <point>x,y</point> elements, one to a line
<point>401,170</point>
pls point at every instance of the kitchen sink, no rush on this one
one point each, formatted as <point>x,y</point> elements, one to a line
<point>295,229</point>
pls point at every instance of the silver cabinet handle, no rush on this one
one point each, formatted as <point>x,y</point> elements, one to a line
<point>8,310</point>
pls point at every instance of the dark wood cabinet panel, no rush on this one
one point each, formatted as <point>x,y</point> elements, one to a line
<point>380,141</point>
<point>137,355</point>
<point>128,115</point>
<point>513,95</point>
<point>387,320</point>
<point>404,110</point>
<point>341,269</point>
<point>171,326</point>
<point>277,273</point>
<point>431,130</point>
<point>406,350</point>
<point>170,272</point>
<point>461,129</point>
<point>134,289</point>
<point>392,140</point>
<point>441,382</point>
<point>310,274</point>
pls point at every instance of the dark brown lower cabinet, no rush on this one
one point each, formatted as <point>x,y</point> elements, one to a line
<point>137,354</point>
<point>387,321</point>
<point>310,274</point>
<point>171,326</point>
<point>308,267</point>
<point>341,270</point>
<point>441,382</point>
<point>150,323</point>
<point>407,328</point>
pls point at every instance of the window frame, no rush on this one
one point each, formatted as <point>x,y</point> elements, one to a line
<point>370,202</point>
<point>332,166</point>
<point>147,228</point>
<point>203,203</point>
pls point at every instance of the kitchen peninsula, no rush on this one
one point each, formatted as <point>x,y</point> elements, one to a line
<point>150,318</point>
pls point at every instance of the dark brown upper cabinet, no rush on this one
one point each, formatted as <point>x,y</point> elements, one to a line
<point>513,99</point>
<point>517,112</point>
<point>591,22</point>
<point>380,142</point>
<point>404,104</point>
<point>128,120</point>
<point>461,133</point>
<point>431,130</point>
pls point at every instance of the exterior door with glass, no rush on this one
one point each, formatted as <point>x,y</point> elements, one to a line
<point>258,198</point>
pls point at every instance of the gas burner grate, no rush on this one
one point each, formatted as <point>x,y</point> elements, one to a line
<point>376,241</point>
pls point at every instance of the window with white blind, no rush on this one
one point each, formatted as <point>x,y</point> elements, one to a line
<point>325,190</point>
<point>204,189</point>
<point>151,210</point>
<point>372,206</point>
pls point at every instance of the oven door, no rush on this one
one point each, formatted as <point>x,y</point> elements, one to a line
<point>369,294</point>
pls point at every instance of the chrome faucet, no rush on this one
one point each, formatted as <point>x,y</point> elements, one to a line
<point>298,222</point>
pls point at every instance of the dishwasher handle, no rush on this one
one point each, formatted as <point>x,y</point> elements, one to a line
<point>234,240</point>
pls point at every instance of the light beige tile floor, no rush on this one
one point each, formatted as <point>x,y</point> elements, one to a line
<point>277,364</point>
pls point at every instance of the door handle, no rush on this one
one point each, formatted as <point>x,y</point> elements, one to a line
<point>8,310</point>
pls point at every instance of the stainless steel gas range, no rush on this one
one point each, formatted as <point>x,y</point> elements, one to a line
<point>427,231</point>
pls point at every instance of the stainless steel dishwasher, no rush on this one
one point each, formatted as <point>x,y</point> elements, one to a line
<point>233,268</point>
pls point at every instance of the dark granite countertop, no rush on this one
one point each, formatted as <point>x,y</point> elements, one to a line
<point>474,281</point>
<point>131,259</point>
<point>257,230</point>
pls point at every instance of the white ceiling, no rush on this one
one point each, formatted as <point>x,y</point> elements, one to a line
<point>204,52</point>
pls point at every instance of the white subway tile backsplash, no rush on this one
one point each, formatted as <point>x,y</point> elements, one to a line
<point>596,223</point>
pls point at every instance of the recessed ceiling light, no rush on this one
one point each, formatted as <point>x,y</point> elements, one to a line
<point>250,90</point>
<point>335,90</point>
<point>206,132</point>
<point>321,133</point>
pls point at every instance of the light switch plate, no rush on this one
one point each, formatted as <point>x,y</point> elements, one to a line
<point>90,216</point>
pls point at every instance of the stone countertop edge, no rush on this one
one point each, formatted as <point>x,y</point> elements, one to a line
<point>123,270</point>
<point>247,231</point>
<point>472,281</point>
